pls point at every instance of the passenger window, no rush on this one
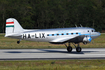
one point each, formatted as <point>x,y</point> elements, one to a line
<point>71,33</point>
<point>76,33</point>
<point>57,34</point>
<point>92,30</point>
<point>47,34</point>
<point>67,33</point>
<point>52,34</point>
<point>62,34</point>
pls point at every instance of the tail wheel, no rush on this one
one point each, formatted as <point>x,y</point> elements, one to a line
<point>78,49</point>
<point>18,42</point>
<point>69,49</point>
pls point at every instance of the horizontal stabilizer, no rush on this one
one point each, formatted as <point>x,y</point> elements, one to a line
<point>18,36</point>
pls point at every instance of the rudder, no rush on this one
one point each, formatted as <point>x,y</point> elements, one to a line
<point>12,26</point>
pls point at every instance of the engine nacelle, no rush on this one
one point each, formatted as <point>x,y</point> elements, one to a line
<point>87,40</point>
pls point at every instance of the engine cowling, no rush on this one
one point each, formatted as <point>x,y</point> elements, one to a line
<point>87,40</point>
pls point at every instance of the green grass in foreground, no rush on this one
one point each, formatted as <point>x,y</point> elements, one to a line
<point>8,43</point>
<point>53,65</point>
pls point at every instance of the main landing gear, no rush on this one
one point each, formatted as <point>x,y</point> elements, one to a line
<point>69,48</point>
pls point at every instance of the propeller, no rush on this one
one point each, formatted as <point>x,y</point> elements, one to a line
<point>90,39</point>
<point>87,39</point>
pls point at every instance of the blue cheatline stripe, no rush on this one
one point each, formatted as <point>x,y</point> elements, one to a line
<point>55,34</point>
<point>50,34</point>
<point>10,26</point>
<point>72,34</point>
<point>79,33</point>
<point>64,34</point>
<point>60,34</point>
<point>69,33</point>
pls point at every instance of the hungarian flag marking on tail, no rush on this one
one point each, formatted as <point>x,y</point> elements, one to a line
<point>9,24</point>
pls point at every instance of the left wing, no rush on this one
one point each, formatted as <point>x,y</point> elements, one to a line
<point>62,40</point>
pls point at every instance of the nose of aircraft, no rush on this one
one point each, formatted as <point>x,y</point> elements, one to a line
<point>98,34</point>
<point>95,35</point>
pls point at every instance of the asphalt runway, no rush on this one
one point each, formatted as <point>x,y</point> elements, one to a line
<point>50,54</point>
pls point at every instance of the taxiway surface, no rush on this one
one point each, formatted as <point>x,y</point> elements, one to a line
<point>47,54</point>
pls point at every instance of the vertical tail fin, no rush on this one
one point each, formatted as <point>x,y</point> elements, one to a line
<point>12,26</point>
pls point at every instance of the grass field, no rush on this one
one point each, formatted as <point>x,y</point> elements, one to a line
<point>53,65</point>
<point>8,43</point>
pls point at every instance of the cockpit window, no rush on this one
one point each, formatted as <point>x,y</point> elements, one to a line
<point>92,30</point>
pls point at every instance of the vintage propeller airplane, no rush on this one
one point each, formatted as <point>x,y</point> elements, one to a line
<point>73,35</point>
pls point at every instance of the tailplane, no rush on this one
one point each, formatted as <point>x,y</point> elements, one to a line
<point>12,27</point>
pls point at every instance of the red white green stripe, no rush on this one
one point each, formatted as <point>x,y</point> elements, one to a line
<point>9,24</point>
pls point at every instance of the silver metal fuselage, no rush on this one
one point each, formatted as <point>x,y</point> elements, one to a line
<point>49,35</point>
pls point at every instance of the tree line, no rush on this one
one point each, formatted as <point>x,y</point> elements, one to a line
<point>43,14</point>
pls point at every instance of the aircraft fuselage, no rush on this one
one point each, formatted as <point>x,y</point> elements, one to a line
<point>48,35</point>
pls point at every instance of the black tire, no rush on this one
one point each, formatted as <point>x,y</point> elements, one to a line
<point>69,49</point>
<point>78,49</point>
<point>18,42</point>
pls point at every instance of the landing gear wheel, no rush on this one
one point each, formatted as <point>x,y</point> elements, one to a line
<point>18,42</point>
<point>78,49</point>
<point>69,49</point>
